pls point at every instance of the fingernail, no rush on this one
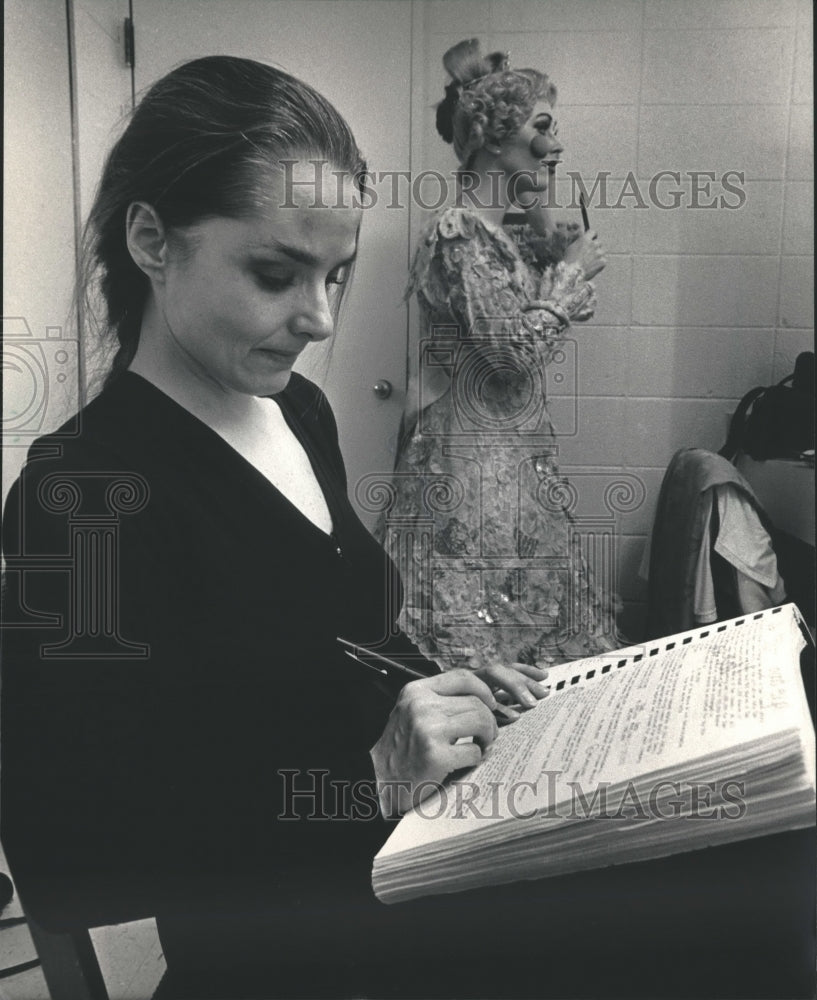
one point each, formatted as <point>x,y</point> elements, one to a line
<point>528,698</point>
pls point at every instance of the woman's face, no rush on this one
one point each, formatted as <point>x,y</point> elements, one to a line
<point>533,152</point>
<point>243,297</point>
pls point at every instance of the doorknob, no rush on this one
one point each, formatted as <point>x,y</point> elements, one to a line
<point>382,388</point>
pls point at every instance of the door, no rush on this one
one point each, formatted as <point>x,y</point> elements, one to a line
<point>358,54</point>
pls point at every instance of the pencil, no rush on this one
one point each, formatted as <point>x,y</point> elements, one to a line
<point>583,206</point>
<point>359,652</point>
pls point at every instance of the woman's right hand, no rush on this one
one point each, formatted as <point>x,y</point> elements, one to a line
<point>587,252</point>
<point>438,725</point>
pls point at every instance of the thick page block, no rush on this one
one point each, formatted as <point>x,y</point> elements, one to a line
<point>698,739</point>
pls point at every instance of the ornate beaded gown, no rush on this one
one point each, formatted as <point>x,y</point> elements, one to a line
<point>478,518</point>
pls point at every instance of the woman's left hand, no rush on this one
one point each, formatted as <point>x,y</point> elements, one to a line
<point>520,683</point>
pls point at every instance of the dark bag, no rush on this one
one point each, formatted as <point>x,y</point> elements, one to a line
<point>776,421</point>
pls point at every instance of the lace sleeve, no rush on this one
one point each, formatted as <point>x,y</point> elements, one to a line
<point>472,275</point>
<point>542,252</point>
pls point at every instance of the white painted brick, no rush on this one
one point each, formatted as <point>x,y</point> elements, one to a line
<point>705,291</point>
<point>616,233</point>
<point>797,292</point>
<point>601,354</point>
<point>566,15</point>
<point>752,228</point>
<point>798,223</point>
<point>661,14</point>
<point>714,137</point>
<point>637,487</point>
<point>466,18</point>
<point>614,291</point>
<point>599,432</point>
<point>710,363</point>
<point>803,86</point>
<point>800,160</point>
<point>587,67</point>
<point>598,138</point>
<point>717,67</point>
<point>655,429</point>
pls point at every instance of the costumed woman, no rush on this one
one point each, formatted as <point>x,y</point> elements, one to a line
<point>478,520</point>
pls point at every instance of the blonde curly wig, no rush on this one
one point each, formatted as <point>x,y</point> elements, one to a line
<point>486,101</point>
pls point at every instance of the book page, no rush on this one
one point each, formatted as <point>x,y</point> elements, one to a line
<point>724,687</point>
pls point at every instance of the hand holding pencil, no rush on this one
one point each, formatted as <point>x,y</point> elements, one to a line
<point>440,724</point>
<point>519,684</point>
<point>586,249</point>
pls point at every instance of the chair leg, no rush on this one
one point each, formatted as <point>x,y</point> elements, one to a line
<point>69,965</point>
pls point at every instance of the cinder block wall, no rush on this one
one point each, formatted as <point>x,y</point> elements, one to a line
<point>697,305</point>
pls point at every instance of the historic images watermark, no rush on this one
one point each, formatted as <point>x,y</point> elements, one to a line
<point>88,507</point>
<point>40,373</point>
<point>313,795</point>
<point>431,190</point>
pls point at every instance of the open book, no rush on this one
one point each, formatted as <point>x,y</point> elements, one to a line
<point>694,740</point>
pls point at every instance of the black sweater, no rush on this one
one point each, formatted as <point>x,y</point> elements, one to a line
<point>142,759</point>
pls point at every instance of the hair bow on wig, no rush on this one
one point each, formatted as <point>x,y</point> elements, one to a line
<point>500,63</point>
<point>445,111</point>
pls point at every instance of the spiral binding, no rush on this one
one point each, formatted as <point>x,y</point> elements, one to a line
<point>684,639</point>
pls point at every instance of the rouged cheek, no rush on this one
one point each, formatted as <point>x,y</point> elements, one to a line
<point>539,146</point>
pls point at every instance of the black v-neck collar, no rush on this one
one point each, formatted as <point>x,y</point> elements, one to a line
<point>200,439</point>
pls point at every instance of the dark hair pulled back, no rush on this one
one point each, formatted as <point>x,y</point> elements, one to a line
<point>198,145</point>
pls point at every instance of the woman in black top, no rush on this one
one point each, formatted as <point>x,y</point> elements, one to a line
<point>182,736</point>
